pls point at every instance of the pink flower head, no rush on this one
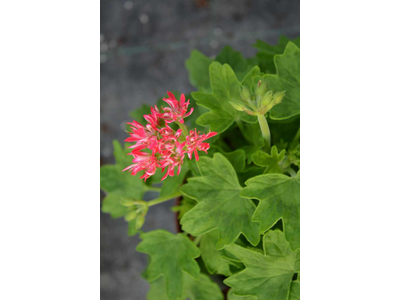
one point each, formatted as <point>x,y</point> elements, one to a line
<point>154,117</point>
<point>194,142</point>
<point>166,148</point>
<point>177,110</point>
<point>173,159</point>
<point>144,136</point>
<point>143,161</point>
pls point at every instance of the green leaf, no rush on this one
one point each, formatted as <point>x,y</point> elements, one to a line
<point>213,259</point>
<point>252,134</point>
<point>232,296</point>
<point>171,184</point>
<point>269,161</point>
<point>287,79</point>
<point>220,205</point>
<point>184,206</point>
<point>237,158</point>
<point>279,197</point>
<point>249,173</point>
<point>202,289</point>
<point>171,255</point>
<point>111,204</point>
<point>267,276</point>
<point>225,88</point>
<point>295,291</point>
<point>118,184</point>
<point>235,60</point>
<point>266,53</point>
<point>197,66</point>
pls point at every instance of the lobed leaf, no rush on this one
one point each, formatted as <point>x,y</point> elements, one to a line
<point>225,87</point>
<point>118,184</point>
<point>171,256</point>
<point>220,205</point>
<point>266,53</point>
<point>202,289</point>
<point>269,275</point>
<point>213,258</point>
<point>279,197</point>
<point>269,161</point>
<point>287,78</point>
<point>198,66</point>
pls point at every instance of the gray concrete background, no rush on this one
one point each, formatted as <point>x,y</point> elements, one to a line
<point>143,46</point>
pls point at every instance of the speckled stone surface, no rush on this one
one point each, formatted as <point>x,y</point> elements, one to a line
<point>143,46</point>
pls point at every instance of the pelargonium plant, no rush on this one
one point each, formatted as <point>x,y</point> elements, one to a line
<point>230,157</point>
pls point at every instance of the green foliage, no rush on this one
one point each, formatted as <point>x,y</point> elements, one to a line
<point>268,275</point>
<point>271,162</point>
<point>118,184</point>
<point>171,256</point>
<point>279,197</point>
<point>295,290</point>
<point>198,66</point>
<point>239,204</point>
<point>184,206</point>
<point>220,205</point>
<point>225,87</point>
<point>266,53</point>
<point>213,258</point>
<point>194,289</point>
<point>287,78</point>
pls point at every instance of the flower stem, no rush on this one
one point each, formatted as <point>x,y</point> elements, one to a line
<point>198,167</point>
<point>152,188</point>
<point>265,131</point>
<point>184,128</point>
<point>163,199</point>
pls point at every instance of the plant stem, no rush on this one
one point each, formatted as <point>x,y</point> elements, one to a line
<point>153,188</point>
<point>163,199</point>
<point>197,163</point>
<point>184,128</point>
<point>265,131</point>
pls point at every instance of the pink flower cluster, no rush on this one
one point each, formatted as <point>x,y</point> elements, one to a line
<point>157,145</point>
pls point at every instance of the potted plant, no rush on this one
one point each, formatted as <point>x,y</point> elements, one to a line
<point>230,152</point>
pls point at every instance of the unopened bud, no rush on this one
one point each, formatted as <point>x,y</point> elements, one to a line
<point>277,98</point>
<point>131,215</point>
<point>127,202</point>
<point>237,106</point>
<point>267,98</point>
<point>244,93</point>
<point>261,88</point>
<point>139,221</point>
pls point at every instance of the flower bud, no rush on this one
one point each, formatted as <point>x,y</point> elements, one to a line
<point>277,98</point>
<point>127,202</point>
<point>244,93</point>
<point>261,88</point>
<point>140,221</point>
<point>267,98</point>
<point>131,215</point>
<point>238,106</point>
